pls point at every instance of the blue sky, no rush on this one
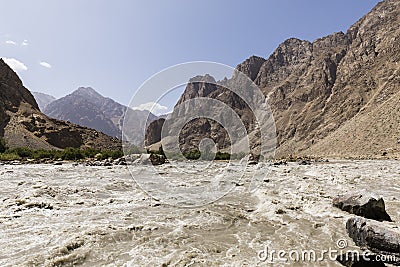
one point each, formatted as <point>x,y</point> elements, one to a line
<point>114,46</point>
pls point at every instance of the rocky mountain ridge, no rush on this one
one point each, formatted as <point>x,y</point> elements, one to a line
<point>336,96</point>
<point>88,108</point>
<point>84,107</point>
<point>23,125</point>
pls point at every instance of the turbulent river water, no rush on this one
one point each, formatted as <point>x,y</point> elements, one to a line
<point>73,215</point>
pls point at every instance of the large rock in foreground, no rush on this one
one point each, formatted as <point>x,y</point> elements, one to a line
<point>377,237</point>
<point>363,204</point>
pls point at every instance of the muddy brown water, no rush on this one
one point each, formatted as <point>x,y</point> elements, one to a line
<point>98,216</point>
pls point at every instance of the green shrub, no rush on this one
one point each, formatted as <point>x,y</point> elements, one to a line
<point>222,156</point>
<point>23,152</point>
<point>66,154</point>
<point>9,157</point>
<point>90,152</point>
<point>72,154</point>
<point>46,154</point>
<point>114,154</point>
<point>193,154</point>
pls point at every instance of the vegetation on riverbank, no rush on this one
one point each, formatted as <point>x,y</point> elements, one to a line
<point>23,153</point>
<point>10,154</point>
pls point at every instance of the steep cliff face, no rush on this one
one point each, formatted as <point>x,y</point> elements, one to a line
<point>251,66</point>
<point>298,79</point>
<point>349,74</point>
<point>328,97</point>
<point>196,130</point>
<point>12,92</point>
<point>365,98</point>
<point>12,95</point>
<point>153,132</point>
<point>23,125</point>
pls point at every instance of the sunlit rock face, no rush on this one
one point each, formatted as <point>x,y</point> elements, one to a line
<point>335,96</point>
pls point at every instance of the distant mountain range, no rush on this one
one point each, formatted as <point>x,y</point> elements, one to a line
<point>338,96</point>
<point>43,99</point>
<point>88,108</point>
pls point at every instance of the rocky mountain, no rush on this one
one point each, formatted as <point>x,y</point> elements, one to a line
<point>251,66</point>
<point>336,96</point>
<point>153,131</point>
<point>88,108</point>
<point>316,89</point>
<point>43,99</point>
<point>23,125</point>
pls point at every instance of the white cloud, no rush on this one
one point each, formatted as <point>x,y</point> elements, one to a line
<point>10,42</point>
<point>25,43</point>
<point>155,108</point>
<point>15,64</point>
<point>45,64</point>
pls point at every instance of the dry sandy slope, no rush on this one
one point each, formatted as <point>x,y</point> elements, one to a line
<point>368,134</point>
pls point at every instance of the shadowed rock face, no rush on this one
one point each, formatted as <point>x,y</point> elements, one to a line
<point>153,132</point>
<point>364,205</point>
<point>23,125</point>
<point>251,66</point>
<point>12,92</point>
<point>328,96</point>
<point>197,129</point>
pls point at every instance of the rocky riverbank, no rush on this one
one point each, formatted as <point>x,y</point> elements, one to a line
<point>371,230</point>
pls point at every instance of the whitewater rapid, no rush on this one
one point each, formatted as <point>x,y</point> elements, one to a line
<point>99,216</point>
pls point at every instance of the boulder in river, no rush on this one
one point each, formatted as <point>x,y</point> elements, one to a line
<point>304,162</point>
<point>157,159</point>
<point>378,237</point>
<point>250,159</point>
<point>364,205</point>
<point>153,159</point>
